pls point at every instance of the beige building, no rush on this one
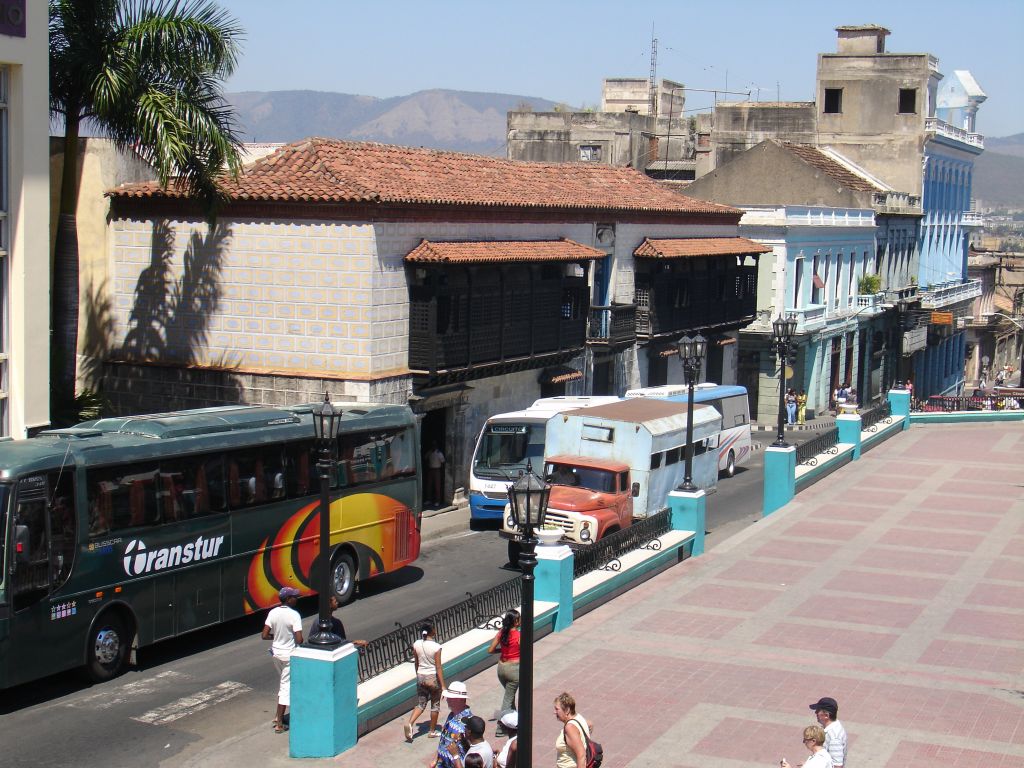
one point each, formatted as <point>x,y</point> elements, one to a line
<point>24,219</point>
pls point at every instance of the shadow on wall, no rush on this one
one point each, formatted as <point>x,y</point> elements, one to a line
<point>168,326</point>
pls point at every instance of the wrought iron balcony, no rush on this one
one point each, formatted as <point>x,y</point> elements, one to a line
<point>612,326</point>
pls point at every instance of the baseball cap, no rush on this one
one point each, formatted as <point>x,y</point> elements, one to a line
<point>456,690</point>
<point>827,703</point>
<point>475,725</point>
<point>287,592</point>
<point>510,720</point>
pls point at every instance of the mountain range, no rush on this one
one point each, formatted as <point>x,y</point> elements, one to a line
<point>468,121</point>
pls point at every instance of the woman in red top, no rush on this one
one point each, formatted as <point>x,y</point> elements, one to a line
<point>506,642</point>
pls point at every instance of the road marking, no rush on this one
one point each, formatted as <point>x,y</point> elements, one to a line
<point>189,705</point>
<point>106,699</point>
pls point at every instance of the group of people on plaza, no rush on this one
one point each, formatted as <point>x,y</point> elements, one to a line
<point>461,738</point>
<point>826,741</point>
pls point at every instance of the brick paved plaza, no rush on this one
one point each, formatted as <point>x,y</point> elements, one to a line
<point>895,585</point>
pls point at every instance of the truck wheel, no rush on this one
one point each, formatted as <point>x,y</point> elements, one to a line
<point>514,550</point>
<point>730,466</point>
<point>107,651</point>
<point>343,577</point>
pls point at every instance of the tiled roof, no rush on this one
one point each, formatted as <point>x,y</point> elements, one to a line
<point>679,247</point>
<point>835,171</point>
<point>486,251</point>
<point>331,171</point>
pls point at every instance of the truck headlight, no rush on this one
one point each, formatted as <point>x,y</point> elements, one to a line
<point>585,534</point>
<point>510,523</point>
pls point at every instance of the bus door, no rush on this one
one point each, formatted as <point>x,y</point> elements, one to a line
<point>44,533</point>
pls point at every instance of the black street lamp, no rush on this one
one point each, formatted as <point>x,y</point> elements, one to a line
<point>528,500</point>
<point>691,352</point>
<point>326,421</point>
<point>901,324</point>
<point>783,329</point>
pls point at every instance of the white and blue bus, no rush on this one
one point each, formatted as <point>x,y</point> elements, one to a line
<point>506,442</point>
<point>734,443</point>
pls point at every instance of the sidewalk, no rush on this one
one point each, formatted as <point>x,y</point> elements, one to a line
<point>895,586</point>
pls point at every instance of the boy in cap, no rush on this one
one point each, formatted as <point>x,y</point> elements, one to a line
<point>457,696</point>
<point>284,626</point>
<point>475,727</point>
<point>506,757</point>
<point>826,709</point>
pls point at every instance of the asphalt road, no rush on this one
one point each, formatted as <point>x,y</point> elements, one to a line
<point>193,691</point>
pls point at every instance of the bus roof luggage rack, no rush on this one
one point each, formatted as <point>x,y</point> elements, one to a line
<point>72,433</point>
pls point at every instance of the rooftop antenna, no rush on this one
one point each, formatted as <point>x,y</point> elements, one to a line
<point>652,105</point>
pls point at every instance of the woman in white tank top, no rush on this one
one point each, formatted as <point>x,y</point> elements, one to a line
<point>429,681</point>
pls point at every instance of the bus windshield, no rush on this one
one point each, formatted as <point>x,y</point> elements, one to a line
<point>505,448</point>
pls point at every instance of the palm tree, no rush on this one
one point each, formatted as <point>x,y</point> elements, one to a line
<point>148,75</point>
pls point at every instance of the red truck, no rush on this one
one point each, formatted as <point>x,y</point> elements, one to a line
<point>590,498</point>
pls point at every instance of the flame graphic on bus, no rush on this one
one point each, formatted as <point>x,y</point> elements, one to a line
<point>377,527</point>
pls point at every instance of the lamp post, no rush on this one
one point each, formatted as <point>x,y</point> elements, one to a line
<point>783,329</point>
<point>691,352</point>
<point>528,500</point>
<point>901,322</point>
<point>326,421</point>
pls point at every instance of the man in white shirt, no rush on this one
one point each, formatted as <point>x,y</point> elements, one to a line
<point>826,709</point>
<point>284,628</point>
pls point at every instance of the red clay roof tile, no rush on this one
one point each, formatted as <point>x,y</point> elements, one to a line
<point>835,171</point>
<point>679,247</point>
<point>486,251</point>
<point>332,171</point>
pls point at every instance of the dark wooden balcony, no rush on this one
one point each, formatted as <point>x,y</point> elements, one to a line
<point>672,302</point>
<point>612,326</point>
<point>470,323</point>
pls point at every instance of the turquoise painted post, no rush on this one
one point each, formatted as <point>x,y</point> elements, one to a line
<point>899,402</point>
<point>323,700</point>
<point>554,581</point>
<point>849,431</point>
<point>688,512</point>
<point>779,478</point>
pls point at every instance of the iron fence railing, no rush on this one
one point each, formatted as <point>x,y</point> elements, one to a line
<point>870,418</point>
<point>947,404</point>
<point>605,553</point>
<point>480,611</point>
<point>826,442</point>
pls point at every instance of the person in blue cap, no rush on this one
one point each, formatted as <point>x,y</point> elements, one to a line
<point>284,628</point>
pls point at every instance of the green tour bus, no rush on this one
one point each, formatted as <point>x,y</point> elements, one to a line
<point>121,532</point>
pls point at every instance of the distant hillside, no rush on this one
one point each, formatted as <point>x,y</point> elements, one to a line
<point>999,178</point>
<point>1007,145</point>
<point>458,120</point>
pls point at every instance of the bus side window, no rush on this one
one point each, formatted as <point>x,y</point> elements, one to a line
<point>122,497</point>
<point>656,460</point>
<point>298,475</point>
<point>63,526</point>
<point>672,456</point>
<point>212,469</point>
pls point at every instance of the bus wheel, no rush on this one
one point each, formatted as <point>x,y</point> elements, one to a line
<point>343,577</point>
<point>108,647</point>
<point>730,467</point>
<point>514,550</point>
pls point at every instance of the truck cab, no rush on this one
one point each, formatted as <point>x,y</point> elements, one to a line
<point>589,499</point>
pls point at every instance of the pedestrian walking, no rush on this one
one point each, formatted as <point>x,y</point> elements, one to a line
<point>457,696</point>
<point>826,710</point>
<point>801,407</point>
<point>814,738</point>
<point>507,755</point>
<point>429,680</point>
<point>791,406</point>
<point>571,744</point>
<point>506,642</point>
<point>284,628</point>
<point>434,460</point>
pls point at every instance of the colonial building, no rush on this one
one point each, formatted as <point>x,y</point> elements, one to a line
<point>896,117</point>
<point>464,285</point>
<point>24,220</point>
<point>842,242</point>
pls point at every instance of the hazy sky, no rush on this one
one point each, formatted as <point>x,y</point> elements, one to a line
<point>561,49</point>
